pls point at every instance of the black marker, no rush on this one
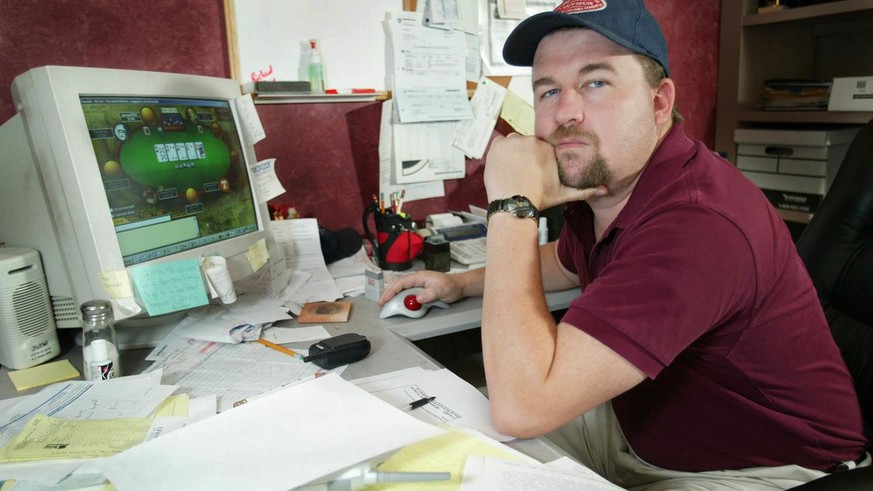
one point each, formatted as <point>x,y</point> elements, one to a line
<point>417,404</point>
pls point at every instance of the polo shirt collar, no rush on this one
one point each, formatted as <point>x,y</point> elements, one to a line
<point>663,167</point>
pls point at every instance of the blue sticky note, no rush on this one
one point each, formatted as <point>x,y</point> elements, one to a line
<point>169,287</point>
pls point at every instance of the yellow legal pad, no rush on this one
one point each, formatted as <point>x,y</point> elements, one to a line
<point>44,374</point>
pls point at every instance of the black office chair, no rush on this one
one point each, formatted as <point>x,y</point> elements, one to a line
<point>837,248</point>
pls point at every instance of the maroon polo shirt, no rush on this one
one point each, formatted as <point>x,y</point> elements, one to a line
<point>698,284</point>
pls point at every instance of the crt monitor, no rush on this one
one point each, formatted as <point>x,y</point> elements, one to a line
<point>107,169</point>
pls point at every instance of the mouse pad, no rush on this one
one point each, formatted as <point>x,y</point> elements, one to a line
<point>318,312</point>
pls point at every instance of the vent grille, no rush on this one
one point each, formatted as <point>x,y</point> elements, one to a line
<point>32,313</point>
<point>66,312</point>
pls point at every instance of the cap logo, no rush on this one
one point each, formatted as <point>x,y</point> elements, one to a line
<point>579,6</point>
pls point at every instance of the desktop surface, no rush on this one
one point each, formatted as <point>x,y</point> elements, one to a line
<point>391,349</point>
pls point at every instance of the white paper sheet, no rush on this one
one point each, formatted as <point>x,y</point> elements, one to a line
<point>494,31</point>
<point>267,181</point>
<point>282,335</point>
<point>353,265</point>
<point>302,245</point>
<point>126,397</point>
<point>266,443</point>
<point>472,136</point>
<point>424,152</point>
<point>198,408</point>
<point>387,180</point>
<point>233,372</point>
<point>429,71</point>
<point>457,402</point>
<point>491,474</point>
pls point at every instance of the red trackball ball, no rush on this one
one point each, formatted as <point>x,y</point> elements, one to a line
<point>411,302</point>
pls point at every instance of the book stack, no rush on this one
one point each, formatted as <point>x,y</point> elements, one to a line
<point>796,95</point>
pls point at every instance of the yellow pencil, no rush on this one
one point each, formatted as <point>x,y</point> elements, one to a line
<point>280,348</point>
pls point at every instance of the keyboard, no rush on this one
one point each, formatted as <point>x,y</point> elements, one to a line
<point>468,251</point>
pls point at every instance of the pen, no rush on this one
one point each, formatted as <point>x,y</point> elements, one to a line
<point>381,476</point>
<point>400,200</point>
<point>281,349</point>
<point>417,404</point>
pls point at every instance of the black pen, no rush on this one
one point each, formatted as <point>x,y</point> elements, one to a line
<point>417,404</point>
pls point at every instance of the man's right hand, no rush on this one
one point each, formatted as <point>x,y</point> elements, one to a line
<point>437,286</point>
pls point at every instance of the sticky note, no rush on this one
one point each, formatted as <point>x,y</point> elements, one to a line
<point>169,287</point>
<point>518,113</point>
<point>258,255</point>
<point>47,373</point>
<point>116,283</point>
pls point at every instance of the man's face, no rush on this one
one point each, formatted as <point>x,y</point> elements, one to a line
<point>594,106</point>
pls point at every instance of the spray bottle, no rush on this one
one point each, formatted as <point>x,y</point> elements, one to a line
<point>316,68</point>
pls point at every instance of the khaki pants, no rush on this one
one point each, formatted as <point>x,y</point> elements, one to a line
<point>596,440</point>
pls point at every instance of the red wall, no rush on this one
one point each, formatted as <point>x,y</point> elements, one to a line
<point>326,154</point>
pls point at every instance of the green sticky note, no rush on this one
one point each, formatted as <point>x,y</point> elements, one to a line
<point>169,287</point>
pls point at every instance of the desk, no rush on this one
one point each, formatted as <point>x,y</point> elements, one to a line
<point>388,351</point>
<point>462,315</point>
<point>391,349</point>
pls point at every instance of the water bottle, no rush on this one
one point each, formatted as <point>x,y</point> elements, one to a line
<point>99,347</point>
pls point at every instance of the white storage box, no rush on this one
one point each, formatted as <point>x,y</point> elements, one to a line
<point>794,168</point>
<point>851,94</point>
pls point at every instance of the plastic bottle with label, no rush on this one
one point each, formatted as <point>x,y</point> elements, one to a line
<point>99,345</point>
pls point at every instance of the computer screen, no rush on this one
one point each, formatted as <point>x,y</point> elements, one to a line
<point>173,173</point>
<point>106,170</point>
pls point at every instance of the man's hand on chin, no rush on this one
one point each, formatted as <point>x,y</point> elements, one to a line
<point>527,166</point>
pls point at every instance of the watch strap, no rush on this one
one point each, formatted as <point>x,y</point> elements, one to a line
<point>517,205</point>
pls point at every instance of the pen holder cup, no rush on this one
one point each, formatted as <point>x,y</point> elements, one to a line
<point>395,244</point>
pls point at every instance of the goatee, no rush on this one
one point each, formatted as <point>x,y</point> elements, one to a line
<point>571,170</point>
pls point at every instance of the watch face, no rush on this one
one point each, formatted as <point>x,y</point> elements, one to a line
<point>520,206</point>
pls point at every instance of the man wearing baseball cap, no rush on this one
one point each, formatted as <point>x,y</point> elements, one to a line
<point>697,355</point>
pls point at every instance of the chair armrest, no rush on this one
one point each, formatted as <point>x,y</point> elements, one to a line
<point>858,479</point>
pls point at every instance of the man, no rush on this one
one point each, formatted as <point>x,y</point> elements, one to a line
<point>697,356</point>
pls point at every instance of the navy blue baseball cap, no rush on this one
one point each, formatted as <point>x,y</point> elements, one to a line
<point>625,22</point>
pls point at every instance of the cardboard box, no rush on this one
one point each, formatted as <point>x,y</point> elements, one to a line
<point>851,94</point>
<point>794,168</point>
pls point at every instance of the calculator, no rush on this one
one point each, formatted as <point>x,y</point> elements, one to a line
<point>468,251</point>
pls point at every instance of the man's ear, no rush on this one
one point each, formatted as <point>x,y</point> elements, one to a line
<point>664,99</point>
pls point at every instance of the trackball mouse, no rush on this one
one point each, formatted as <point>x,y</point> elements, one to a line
<point>405,303</point>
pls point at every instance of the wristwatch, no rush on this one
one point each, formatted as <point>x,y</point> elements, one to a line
<point>519,206</point>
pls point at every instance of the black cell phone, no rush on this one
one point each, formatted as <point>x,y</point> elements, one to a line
<point>339,350</point>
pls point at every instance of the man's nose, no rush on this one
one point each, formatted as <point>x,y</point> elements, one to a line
<point>570,108</point>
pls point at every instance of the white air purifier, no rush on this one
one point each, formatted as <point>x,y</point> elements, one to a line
<point>28,335</point>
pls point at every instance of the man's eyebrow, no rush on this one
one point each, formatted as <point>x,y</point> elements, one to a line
<point>585,70</point>
<point>596,67</point>
<point>543,81</point>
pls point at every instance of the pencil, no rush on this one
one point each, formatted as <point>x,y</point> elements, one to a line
<point>280,348</point>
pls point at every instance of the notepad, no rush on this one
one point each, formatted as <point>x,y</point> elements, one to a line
<point>44,374</point>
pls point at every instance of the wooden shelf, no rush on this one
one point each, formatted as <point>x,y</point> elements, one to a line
<point>810,13</point>
<point>747,115</point>
<point>815,42</point>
